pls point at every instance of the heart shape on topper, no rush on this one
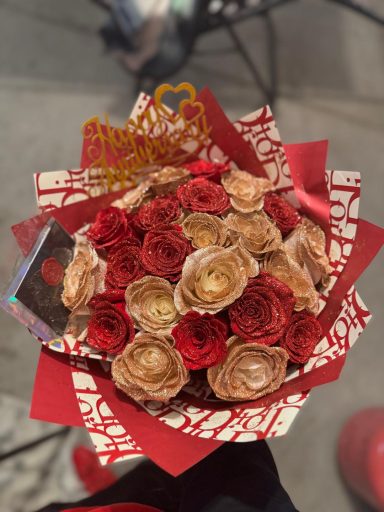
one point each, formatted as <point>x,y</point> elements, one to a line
<point>165,88</point>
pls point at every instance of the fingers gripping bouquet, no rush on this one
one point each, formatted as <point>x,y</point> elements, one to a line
<point>200,303</point>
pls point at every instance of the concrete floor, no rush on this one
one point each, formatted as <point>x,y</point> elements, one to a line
<point>54,75</point>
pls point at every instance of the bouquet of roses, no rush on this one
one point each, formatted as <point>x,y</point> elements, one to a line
<point>193,269</point>
<point>200,267</point>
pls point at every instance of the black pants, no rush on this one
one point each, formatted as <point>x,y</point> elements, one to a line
<point>238,477</point>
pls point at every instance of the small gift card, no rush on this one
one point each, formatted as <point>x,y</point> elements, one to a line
<point>34,296</point>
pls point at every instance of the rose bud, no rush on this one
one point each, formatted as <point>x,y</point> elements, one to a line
<point>200,339</point>
<point>151,304</point>
<point>110,227</point>
<point>123,264</point>
<point>110,328</point>
<point>246,191</point>
<point>209,170</point>
<point>202,195</point>
<point>281,212</point>
<point>164,251</point>
<point>301,337</point>
<point>161,210</point>
<point>250,371</point>
<point>263,311</point>
<point>150,369</point>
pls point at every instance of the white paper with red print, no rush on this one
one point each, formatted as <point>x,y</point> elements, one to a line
<point>111,440</point>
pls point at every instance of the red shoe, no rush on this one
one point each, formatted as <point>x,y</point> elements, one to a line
<point>94,476</point>
<point>361,455</point>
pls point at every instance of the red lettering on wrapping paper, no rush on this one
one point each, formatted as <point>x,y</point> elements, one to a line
<point>110,438</point>
<point>62,189</point>
<point>344,248</point>
<point>342,221</point>
<point>258,131</point>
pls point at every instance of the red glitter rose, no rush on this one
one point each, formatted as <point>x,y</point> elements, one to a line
<point>279,210</point>
<point>110,327</point>
<point>201,340</point>
<point>123,264</point>
<point>301,337</point>
<point>262,313</point>
<point>209,170</point>
<point>110,226</point>
<point>161,210</point>
<point>202,195</point>
<point>164,251</point>
<point>113,295</point>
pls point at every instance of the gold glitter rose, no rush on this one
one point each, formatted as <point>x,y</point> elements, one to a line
<point>84,277</point>
<point>134,197</point>
<point>306,245</point>
<point>150,303</point>
<point>297,278</point>
<point>212,278</point>
<point>250,371</point>
<point>204,230</point>
<point>168,180</point>
<point>256,233</point>
<point>150,369</point>
<point>246,191</point>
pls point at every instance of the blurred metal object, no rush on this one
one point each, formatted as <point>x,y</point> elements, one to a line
<point>33,444</point>
<point>360,8</point>
<point>155,44</point>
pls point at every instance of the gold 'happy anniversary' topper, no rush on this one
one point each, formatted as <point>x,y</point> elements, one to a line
<point>157,136</point>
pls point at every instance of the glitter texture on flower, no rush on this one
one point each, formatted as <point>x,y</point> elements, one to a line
<point>298,279</point>
<point>212,278</point>
<point>164,251</point>
<point>250,371</point>
<point>246,191</point>
<point>150,368</point>
<point>262,313</point>
<point>83,277</point>
<point>150,302</point>
<point>161,210</point>
<point>109,227</point>
<point>200,339</point>
<point>306,246</point>
<point>202,195</point>
<point>123,264</point>
<point>301,337</point>
<point>209,170</point>
<point>168,179</point>
<point>204,230</point>
<point>256,233</point>
<point>110,328</point>
<point>281,212</point>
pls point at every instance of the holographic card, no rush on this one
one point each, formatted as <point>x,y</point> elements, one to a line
<point>34,296</point>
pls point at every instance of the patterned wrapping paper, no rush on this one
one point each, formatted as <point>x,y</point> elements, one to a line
<point>252,143</point>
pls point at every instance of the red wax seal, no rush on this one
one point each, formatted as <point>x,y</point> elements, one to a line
<point>52,271</point>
